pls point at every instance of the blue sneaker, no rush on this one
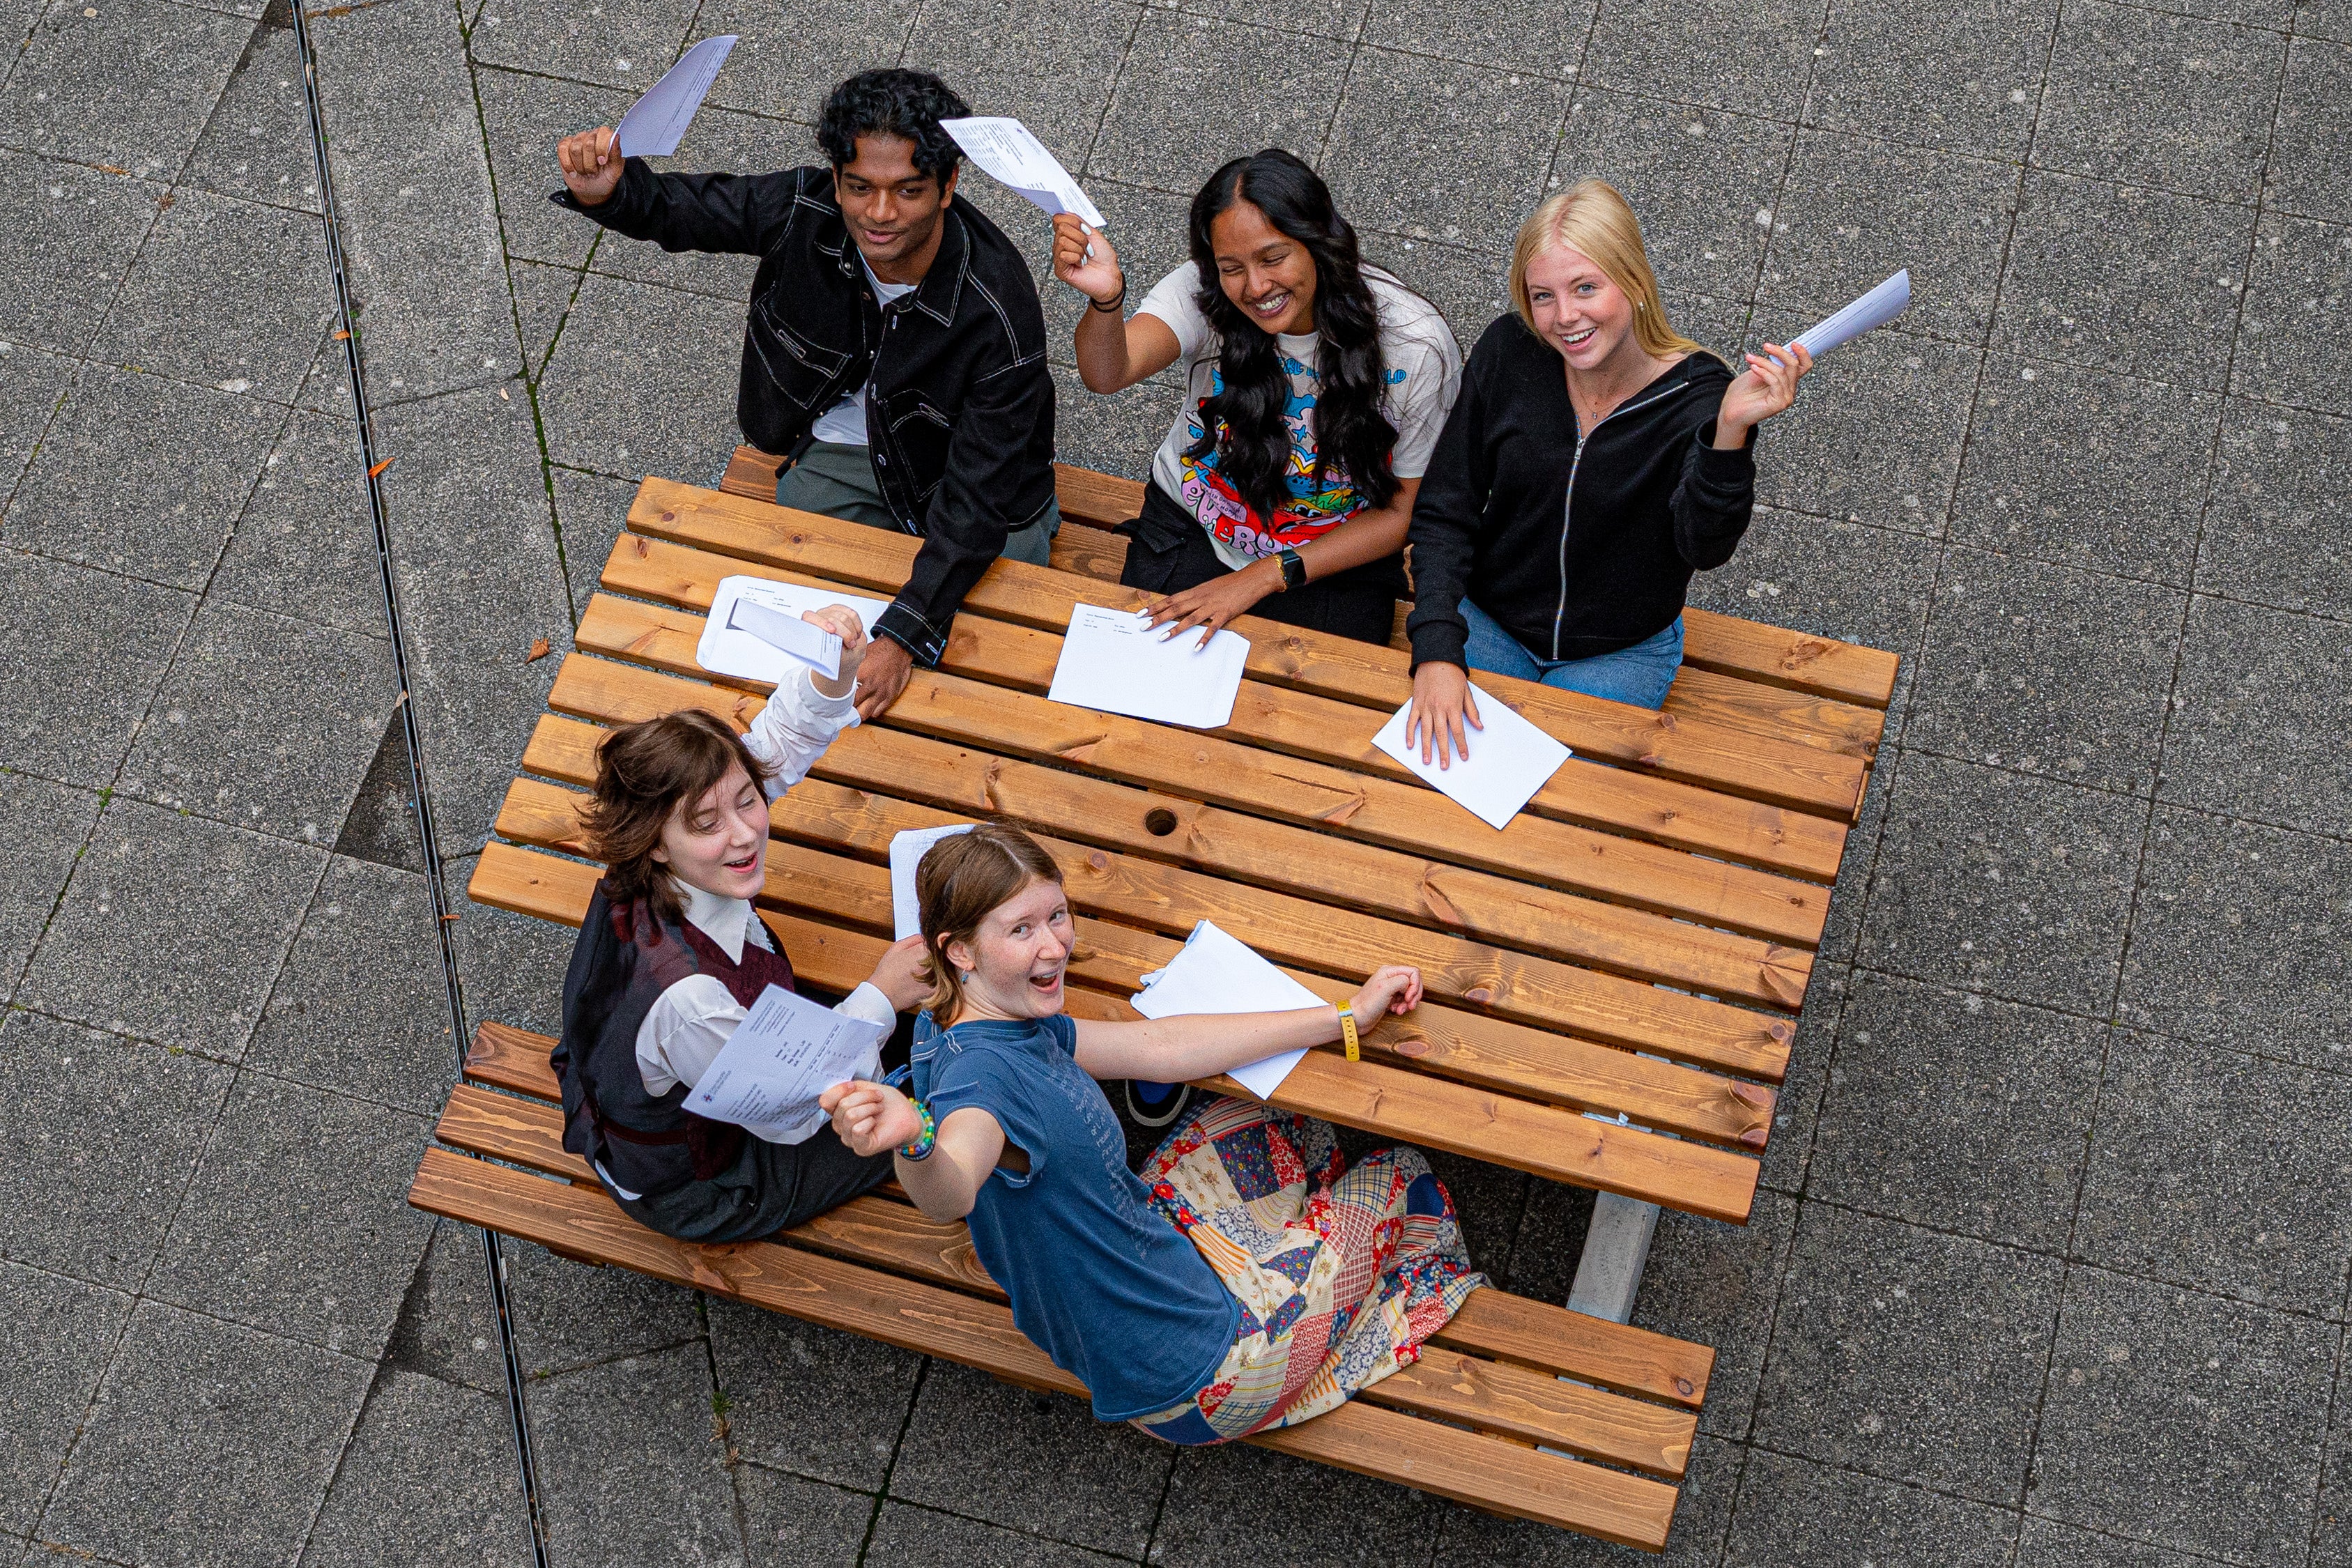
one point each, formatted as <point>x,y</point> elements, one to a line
<point>1156,1104</point>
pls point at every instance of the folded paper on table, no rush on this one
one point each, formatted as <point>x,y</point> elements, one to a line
<point>1217,973</point>
<point>1013,157</point>
<point>1509,760</point>
<point>786,1052</point>
<point>1875,309</point>
<point>729,647</point>
<point>1115,661</point>
<point>652,127</point>
<point>804,640</point>
<point>906,851</point>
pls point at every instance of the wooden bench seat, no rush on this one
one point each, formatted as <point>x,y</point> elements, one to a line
<point>1613,979</point>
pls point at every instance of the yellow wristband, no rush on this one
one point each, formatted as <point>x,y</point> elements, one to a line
<point>1348,1033</point>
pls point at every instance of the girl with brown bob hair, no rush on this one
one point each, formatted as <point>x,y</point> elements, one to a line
<point>672,955</point>
<point>1248,1278</point>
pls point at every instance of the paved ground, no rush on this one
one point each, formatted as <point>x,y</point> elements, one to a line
<point>2053,1265</point>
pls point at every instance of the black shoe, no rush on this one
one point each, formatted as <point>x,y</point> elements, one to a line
<point>1156,1104</point>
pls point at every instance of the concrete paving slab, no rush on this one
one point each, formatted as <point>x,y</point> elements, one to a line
<point>264,721</point>
<point>143,476</point>
<point>1946,1110</point>
<point>2155,99</point>
<point>2046,670</point>
<point>793,52</point>
<point>1791,1510</point>
<point>2281,512</point>
<point>810,1400</point>
<point>511,965</point>
<point>2086,468</point>
<point>109,1129</point>
<point>1877,437</point>
<point>1719,1284</point>
<point>2131,281</point>
<point>2185,1421</point>
<point>207,1442</point>
<point>2331,1535</point>
<point>257,144</point>
<point>296,1222</point>
<point>327,389</point>
<point>264,271</point>
<point>474,546</point>
<point>65,234</point>
<point>1908,1355</point>
<point>1843,580</point>
<point>597,1474</point>
<point>1048,63</point>
<point>32,386</point>
<point>2309,170</point>
<point>908,1537</point>
<point>1698,179</point>
<point>1751,60</point>
<point>523,117</point>
<point>2232,912</point>
<point>1702,1515</point>
<point>789,1522</point>
<point>155,886</point>
<point>61,1336</point>
<point>543,302</point>
<point>447,1328</point>
<point>1399,110</point>
<point>1177,114</point>
<point>1339,20</point>
<point>361,1008</point>
<point>2296,295</point>
<point>643,381</point>
<point>381,827</point>
<point>429,1478</point>
<point>1856,209</point>
<point>420,224</point>
<point>1789,1153</point>
<point>87,649</point>
<point>624,44</point>
<point>1549,1240</point>
<point>1471,288</point>
<point>2259,724</point>
<point>1482,37</point>
<point>571,1315</point>
<point>129,86</point>
<point>2000,882</point>
<point>2222,1172</point>
<point>593,510</point>
<point>1116,435</point>
<point>2042,1544</point>
<point>1236,1502</point>
<point>45,826</point>
<point>306,544</point>
<point>1966,79</point>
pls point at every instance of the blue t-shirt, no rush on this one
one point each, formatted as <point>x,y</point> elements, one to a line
<point>1103,1285</point>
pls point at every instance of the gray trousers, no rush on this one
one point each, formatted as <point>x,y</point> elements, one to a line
<point>834,480</point>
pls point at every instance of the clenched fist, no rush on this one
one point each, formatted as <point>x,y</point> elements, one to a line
<point>591,161</point>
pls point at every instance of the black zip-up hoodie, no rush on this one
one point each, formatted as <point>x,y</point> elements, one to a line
<point>960,408</point>
<point>1575,549</point>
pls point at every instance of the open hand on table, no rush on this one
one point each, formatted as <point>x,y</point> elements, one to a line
<point>591,161</point>
<point>1441,703</point>
<point>882,676</point>
<point>869,1118</point>
<point>1210,605</point>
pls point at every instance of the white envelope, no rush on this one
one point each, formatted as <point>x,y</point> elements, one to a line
<point>1114,661</point>
<point>1509,760</point>
<point>730,648</point>
<point>1217,973</point>
<point>906,851</point>
<point>652,127</point>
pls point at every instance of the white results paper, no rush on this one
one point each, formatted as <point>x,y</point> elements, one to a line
<point>1509,760</point>
<point>1875,309</point>
<point>786,1052</point>
<point>804,640</point>
<point>1116,661</point>
<point>906,851</point>
<point>652,127</point>
<point>1013,157</point>
<point>1217,973</point>
<point>733,645</point>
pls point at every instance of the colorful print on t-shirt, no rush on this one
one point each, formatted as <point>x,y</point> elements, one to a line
<point>1315,507</point>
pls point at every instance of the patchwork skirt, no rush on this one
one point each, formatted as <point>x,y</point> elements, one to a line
<point>1341,1272</point>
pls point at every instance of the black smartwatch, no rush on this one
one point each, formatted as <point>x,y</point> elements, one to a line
<point>1294,570</point>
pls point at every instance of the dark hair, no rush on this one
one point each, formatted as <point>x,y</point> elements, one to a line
<point>1244,424</point>
<point>957,881</point>
<point>643,771</point>
<point>892,102</point>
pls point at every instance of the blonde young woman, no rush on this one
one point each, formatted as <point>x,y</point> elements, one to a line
<point>1595,459</point>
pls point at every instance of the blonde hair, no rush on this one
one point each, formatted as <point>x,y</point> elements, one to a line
<point>1593,219</point>
<point>959,881</point>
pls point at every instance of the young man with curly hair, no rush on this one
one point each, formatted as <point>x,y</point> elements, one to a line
<point>896,351</point>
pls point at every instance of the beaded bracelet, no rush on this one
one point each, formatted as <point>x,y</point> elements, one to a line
<point>924,1141</point>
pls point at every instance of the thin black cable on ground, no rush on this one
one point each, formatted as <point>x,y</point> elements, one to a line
<point>404,713</point>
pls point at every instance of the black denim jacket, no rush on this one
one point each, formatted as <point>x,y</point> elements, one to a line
<point>960,408</point>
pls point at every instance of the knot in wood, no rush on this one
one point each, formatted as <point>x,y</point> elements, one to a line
<point>1098,860</point>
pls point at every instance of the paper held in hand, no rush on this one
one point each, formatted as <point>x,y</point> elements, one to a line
<point>786,1052</point>
<point>741,638</point>
<point>1015,158</point>
<point>1509,760</point>
<point>1875,309</point>
<point>1115,661</point>
<point>1216,974</point>
<point>652,127</point>
<point>906,851</point>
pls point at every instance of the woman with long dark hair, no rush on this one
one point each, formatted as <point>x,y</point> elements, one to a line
<point>1317,387</point>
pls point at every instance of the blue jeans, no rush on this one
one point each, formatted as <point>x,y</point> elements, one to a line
<point>1639,675</point>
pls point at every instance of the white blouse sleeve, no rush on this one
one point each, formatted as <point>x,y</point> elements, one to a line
<point>795,727</point>
<point>689,1024</point>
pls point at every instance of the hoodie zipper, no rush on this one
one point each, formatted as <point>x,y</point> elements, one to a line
<point>1568,502</point>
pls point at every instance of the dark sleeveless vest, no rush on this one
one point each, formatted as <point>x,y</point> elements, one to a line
<point>623,961</point>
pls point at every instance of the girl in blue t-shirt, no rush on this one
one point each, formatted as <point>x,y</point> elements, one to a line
<point>1247,1278</point>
